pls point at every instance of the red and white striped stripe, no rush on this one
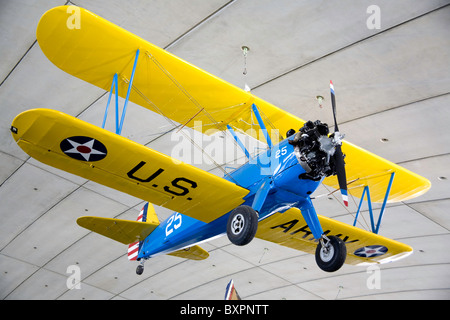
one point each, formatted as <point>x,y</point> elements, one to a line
<point>345,199</point>
<point>133,248</point>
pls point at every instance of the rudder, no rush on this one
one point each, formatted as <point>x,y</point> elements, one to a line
<point>146,214</point>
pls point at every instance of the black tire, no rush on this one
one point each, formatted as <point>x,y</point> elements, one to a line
<point>242,225</point>
<point>139,269</point>
<point>333,259</point>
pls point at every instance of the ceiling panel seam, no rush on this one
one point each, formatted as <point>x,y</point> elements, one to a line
<point>426,217</point>
<point>328,276</point>
<point>429,201</point>
<point>364,271</point>
<point>84,279</point>
<point>282,287</point>
<point>397,107</point>
<point>22,282</point>
<point>20,60</point>
<point>147,278</point>
<point>90,232</point>
<point>424,158</point>
<point>250,268</point>
<point>9,177</point>
<point>348,46</point>
<point>23,56</point>
<point>214,280</point>
<point>395,292</point>
<point>40,216</point>
<point>91,104</point>
<point>203,21</point>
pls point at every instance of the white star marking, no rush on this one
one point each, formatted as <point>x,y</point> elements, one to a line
<point>83,149</point>
<point>373,252</point>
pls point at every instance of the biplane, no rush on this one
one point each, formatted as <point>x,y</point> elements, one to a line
<point>270,197</point>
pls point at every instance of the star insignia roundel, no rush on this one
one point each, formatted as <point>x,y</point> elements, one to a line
<point>83,148</point>
<point>371,251</point>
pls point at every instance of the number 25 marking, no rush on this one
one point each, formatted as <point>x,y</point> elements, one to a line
<point>174,218</point>
<point>281,152</point>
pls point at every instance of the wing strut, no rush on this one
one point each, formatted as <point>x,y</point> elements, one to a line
<point>369,202</point>
<point>262,125</point>
<point>238,141</point>
<point>263,129</point>
<point>115,88</point>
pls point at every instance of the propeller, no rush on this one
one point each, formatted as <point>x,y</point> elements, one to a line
<point>338,155</point>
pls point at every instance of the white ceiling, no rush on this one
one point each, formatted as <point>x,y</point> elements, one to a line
<point>392,82</point>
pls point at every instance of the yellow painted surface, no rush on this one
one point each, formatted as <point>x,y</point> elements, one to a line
<point>124,231</point>
<point>192,253</point>
<point>180,91</point>
<point>290,229</point>
<point>127,166</point>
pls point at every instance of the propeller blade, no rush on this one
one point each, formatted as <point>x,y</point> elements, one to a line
<point>341,176</point>
<point>338,155</point>
<point>333,105</point>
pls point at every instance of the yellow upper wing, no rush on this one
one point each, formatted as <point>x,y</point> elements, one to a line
<point>95,50</point>
<point>162,83</point>
<point>78,147</point>
<point>368,169</point>
<point>290,229</point>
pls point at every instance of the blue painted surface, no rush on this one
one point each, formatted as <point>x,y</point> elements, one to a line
<point>278,167</point>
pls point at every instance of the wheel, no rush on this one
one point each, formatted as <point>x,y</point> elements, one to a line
<point>139,269</point>
<point>331,257</point>
<point>242,225</point>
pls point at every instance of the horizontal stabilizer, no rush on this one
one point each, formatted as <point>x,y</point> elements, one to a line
<point>193,253</point>
<point>124,231</point>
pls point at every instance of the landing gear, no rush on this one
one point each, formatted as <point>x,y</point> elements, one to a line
<point>330,253</point>
<point>242,225</point>
<point>140,267</point>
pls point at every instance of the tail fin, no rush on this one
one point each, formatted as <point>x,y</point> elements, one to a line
<point>147,214</point>
<point>230,292</point>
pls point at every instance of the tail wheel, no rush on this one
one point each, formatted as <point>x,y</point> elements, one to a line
<point>330,254</point>
<point>242,225</point>
<point>139,269</point>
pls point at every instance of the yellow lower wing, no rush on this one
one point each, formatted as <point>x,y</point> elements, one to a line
<point>290,229</point>
<point>78,147</point>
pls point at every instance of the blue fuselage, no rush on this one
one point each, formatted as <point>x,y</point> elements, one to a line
<point>279,166</point>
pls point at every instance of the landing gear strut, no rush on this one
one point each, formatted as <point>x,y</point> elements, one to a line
<point>330,253</point>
